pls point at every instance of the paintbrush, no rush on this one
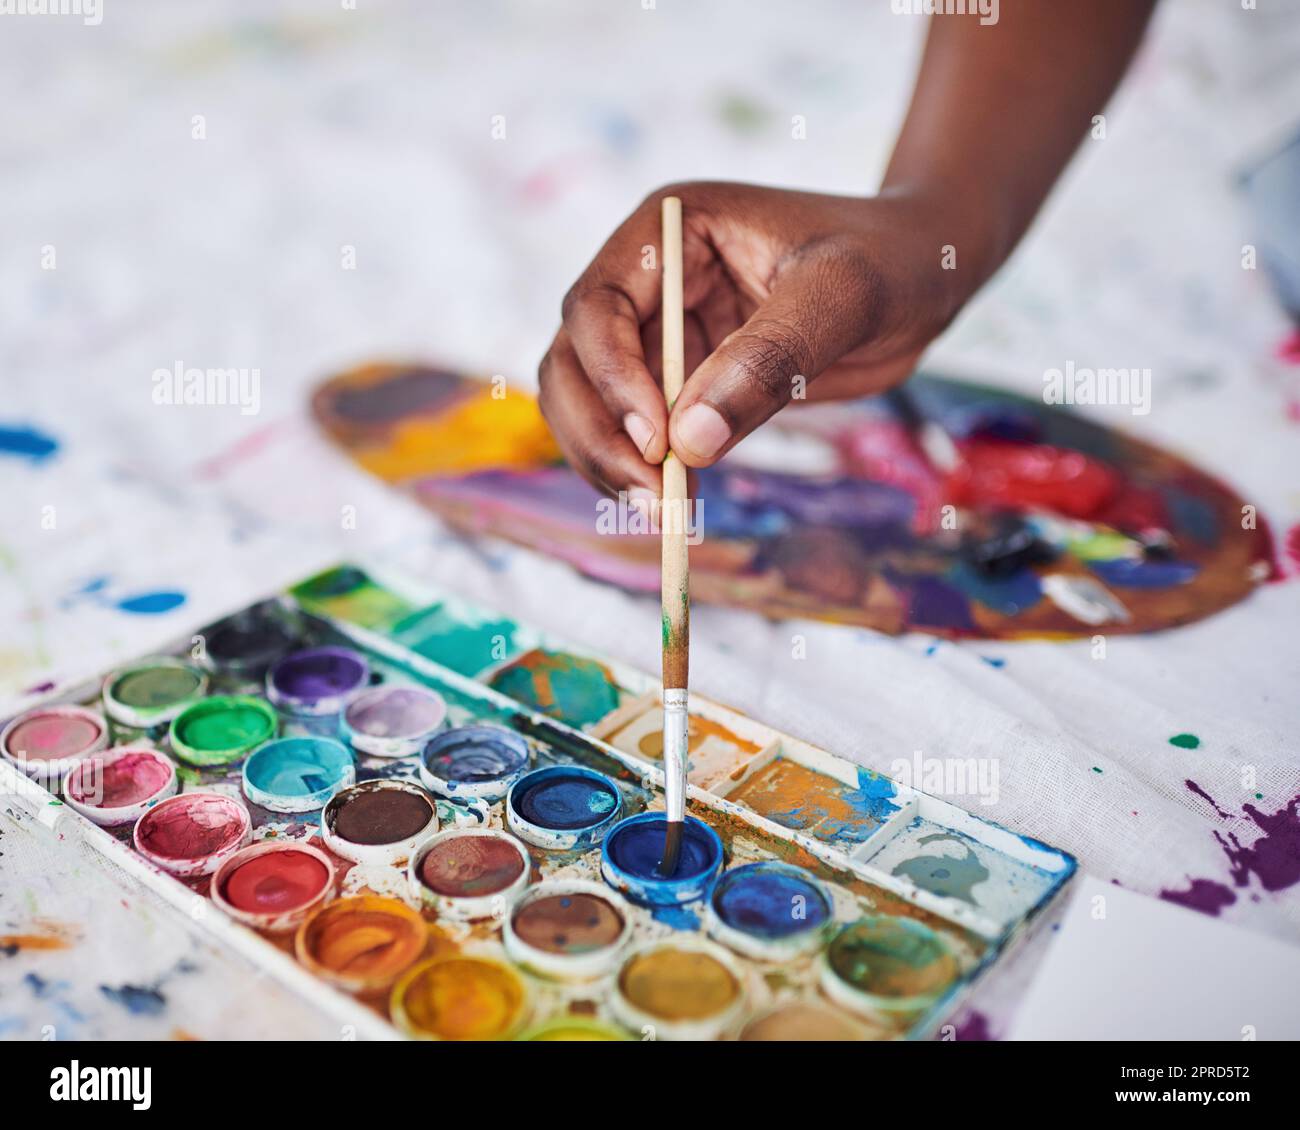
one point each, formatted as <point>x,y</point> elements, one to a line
<point>675,583</point>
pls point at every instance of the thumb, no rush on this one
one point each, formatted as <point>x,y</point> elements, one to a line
<point>810,320</point>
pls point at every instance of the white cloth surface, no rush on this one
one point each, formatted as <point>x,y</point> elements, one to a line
<point>328,128</point>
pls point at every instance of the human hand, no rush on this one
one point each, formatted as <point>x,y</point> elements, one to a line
<point>787,295</point>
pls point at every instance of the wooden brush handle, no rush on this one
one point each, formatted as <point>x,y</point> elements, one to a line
<point>673,515</point>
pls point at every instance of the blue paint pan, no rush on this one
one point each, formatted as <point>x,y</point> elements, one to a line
<point>474,762</point>
<point>770,910</point>
<point>563,807</point>
<point>297,774</point>
<point>629,860</point>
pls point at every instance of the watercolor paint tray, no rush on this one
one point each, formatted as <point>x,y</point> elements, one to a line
<point>913,899</point>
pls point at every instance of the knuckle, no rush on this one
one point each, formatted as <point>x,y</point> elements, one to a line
<point>770,360</point>
<point>573,299</point>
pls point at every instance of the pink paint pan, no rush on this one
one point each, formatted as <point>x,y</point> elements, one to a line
<point>119,785</point>
<point>193,834</point>
<point>48,741</point>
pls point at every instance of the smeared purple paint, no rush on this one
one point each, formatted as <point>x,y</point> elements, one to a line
<point>1200,792</point>
<point>974,1026</point>
<point>1204,895</point>
<point>1274,858</point>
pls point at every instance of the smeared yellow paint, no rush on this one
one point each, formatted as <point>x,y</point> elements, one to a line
<point>479,433</point>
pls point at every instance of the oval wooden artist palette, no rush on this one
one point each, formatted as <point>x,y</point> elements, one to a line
<point>1049,525</point>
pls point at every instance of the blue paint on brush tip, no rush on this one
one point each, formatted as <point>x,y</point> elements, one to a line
<point>631,854</point>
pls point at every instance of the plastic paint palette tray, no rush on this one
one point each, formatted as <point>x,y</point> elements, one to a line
<point>872,847</point>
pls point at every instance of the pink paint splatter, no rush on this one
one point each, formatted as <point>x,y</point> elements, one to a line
<point>1289,348</point>
<point>1293,545</point>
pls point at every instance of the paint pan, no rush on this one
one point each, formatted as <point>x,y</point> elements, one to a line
<point>574,1029</point>
<point>568,929</point>
<point>191,835</point>
<point>563,807</point>
<point>378,822</point>
<point>715,752</point>
<point>469,873</point>
<point>461,997</point>
<point>682,988</point>
<point>273,885</point>
<point>393,721</point>
<point>885,967</point>
<point>362,944</point>
<point>48,741</point>
<point>629,860</point>
<point>120,785</point>
<point>222,730</point>
<point>297,774</point>
<point>244,646</point>
<point>152,693</point>
<point>770,911</point>
<point>476,762</point>
<point>804,1022</point>
<point>834,811</point>
<point>317,682</point>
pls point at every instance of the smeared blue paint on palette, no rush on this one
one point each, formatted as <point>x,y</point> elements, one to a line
<point>1130,573</point>
<point>798,797</point>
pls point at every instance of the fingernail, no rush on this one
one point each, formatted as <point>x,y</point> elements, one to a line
<point>643,501</point>
<point>702,430</point>
<point>640,429</point>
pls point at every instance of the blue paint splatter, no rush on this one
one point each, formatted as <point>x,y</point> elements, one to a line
<point>152,603</point>
<point>24,442</point>
<point>140,604</point>
<point>1125,572</point>
<point>44,989</point>
<point>136,999</point>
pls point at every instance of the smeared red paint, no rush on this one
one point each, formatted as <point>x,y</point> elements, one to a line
<point>1289,348</point>
<point>190,826</point>
<point>1293,546</point>
<point>1018,475</point>
<point>887,453</point>
<point>1204,895</point>
<point>276,881</point>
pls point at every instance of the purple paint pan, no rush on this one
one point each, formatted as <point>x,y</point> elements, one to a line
<point>393,721</point>
<point>318,681</point>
